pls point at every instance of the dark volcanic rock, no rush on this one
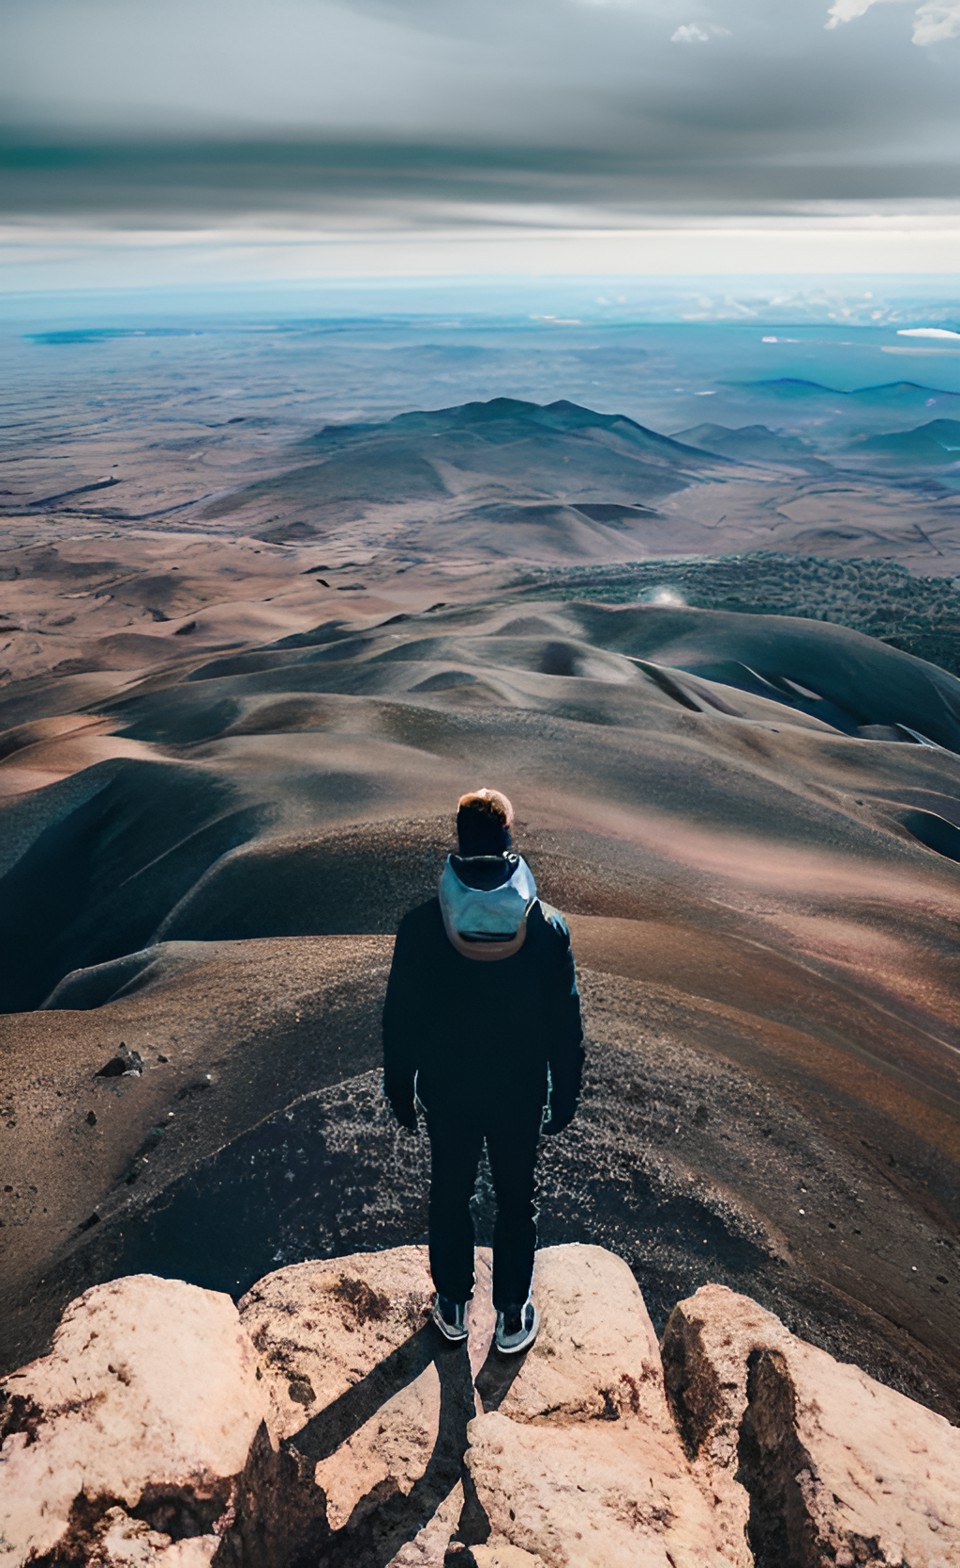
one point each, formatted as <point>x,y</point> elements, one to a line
<point>126,1063</point>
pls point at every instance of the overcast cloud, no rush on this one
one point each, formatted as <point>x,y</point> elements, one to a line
<point>429,113</point>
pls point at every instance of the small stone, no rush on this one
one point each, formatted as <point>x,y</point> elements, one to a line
<point>126,1064</point>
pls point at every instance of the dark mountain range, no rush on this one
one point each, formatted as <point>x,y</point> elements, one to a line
<point>888,394</point>
<point>748,443</point>
<point>902,394</point>
<point>794,388</point>
<point>936,443</point>
<point>472,454</point>
<point>507,419</point>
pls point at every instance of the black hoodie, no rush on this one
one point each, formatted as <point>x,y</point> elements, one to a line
<point>480,1036</point>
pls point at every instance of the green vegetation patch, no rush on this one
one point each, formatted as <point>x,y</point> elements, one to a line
<point>919,615</point>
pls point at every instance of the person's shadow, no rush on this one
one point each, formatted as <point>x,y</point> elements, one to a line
<point>384,1519</point>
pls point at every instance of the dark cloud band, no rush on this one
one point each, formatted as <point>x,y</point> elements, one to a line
<point>122,111</point>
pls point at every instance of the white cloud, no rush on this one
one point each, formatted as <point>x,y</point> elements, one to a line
<point>848,11</point>
<point>934,21</point>
<point>694,33</point>
<point>926,332</point>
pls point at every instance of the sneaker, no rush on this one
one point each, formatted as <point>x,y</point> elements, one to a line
<point>450,1317</point>
<point>517,1328</point>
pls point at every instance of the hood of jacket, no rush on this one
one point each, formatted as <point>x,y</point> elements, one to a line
<point>484,901</point>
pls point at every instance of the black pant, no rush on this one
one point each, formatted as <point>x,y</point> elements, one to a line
<point>456,1143</point>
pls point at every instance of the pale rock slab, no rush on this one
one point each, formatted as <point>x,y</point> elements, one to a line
<point>122,1542</point>
<point>840,1469</point>
<point>596,1355</point>
<point>393,1447</point>
<point>150,1389</point>
<point>587,1498</point>
<point>157,1434</point>
<point>365,1387</point>
<point>321,1327</point>
<point>582,1463</point>
<point>505,1557</point>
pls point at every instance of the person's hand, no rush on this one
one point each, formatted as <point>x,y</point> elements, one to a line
<point>559,1118</point>
<point>406,1113</point>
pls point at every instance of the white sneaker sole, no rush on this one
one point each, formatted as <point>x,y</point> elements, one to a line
<point>455,1335</point>
<point>524,1343</point>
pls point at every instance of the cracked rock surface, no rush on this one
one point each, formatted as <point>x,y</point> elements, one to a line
<point>582,1463</point>
<point>818,1463</point>
<point>146,1406</point>
<point>326,1424</point>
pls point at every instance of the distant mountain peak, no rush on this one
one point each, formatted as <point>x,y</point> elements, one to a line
<point>561,414</point>
<point>905,386</point>
<point>478,412</point>
<point>942,427</point>
<point>883,391</point>
<point>494,408</point>
<point>792,384</point>
<point>895,386</point>
<point>936,442</point>
<point>564,405</point>
<point>752,443</point>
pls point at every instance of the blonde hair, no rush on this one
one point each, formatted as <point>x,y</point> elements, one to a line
<point>488,802</point>
<point>484,818</point>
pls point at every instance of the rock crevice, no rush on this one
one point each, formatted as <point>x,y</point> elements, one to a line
<point>774,1468</point>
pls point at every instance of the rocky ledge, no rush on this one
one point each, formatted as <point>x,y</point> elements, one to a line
<point>324,1422</point>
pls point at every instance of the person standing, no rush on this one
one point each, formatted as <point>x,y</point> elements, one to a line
<point>482,1028</point>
